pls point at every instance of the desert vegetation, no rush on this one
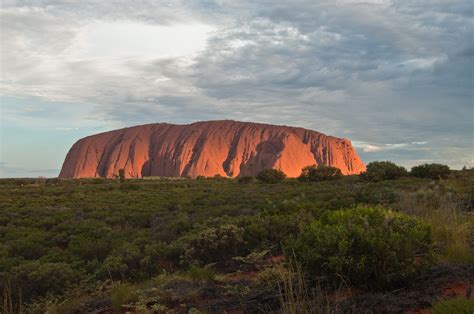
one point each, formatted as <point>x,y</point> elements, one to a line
<point>319,173</point>
<point>324,242</point>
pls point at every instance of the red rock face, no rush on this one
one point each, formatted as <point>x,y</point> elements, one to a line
<point>227,148</point>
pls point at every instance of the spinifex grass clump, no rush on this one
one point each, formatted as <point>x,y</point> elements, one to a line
<point>368,247</point>
<point>454,306</point>
<point>439,205</point>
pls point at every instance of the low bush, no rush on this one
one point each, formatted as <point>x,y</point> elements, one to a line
<point>36,279</point>
<point>123,263</point>
<point>245,179</point>
<point>271,176</point>
<point>272,228</point>
<point>384,170</point>
<point>454,306</point>
<point>375,194</point>
<point>128,186</point>
<point>431,171</point>
<point>319,173</point>
<point>368,247</point>
<point>89,247</point>
<point>214,244</point>
<point>201,274</point>
<point>219,177</point>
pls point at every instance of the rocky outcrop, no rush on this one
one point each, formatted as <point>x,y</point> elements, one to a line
<point>226,148</point>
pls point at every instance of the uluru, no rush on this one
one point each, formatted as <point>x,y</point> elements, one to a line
<point>227,148</point>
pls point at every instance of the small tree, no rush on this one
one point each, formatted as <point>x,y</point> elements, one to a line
<point>122,175</point>
<point>431,171</point>
<point>384,170</point>
<point>271,175</point>
<point>319,173</point>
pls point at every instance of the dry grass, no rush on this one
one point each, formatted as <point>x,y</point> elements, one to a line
<point>9,305</point>
<point>452,226</point>
<point>296,295</point>
<point>121,295</point>
<point>454,306</point>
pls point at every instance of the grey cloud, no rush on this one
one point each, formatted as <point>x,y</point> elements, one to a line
<point>377,72</point>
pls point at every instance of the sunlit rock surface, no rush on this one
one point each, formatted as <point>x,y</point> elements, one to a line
<point>227,148</point>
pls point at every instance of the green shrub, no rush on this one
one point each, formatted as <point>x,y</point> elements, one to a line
<point>375,194</point>
<point>123,263</point>
<point>270,229</point>
<point>27,242</point>
<point>98,181</point>
<point>201,274</point>
<point>319,173</point>
<point>35,278</point>
<point>128,186</point>
<point>431,171</point>
<point>271,175</point>
<point>160,256</point>
<point>122,294</point>
<point>384,170</point>
<point>245,179</point>
<point>89,247</point>
<point>214,244</point>
<point>460,305</point>
<point>219,177</point>
<point>369,247</point>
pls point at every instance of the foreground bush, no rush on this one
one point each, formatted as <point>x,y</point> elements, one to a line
<point>319,173</point>
<point>214,244</point>
<point>368,247</point>
<point>35,279</point>
<point>384,170</point>
<point>271,228</point>
<point>431,171</point>
<point>271,175</point>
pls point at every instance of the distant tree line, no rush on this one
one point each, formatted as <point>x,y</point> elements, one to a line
<point>376,171</point>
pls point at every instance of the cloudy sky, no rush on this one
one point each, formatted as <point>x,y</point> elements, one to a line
<point>396,77</point>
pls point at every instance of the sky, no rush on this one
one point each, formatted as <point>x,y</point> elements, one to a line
<point>395,77</point>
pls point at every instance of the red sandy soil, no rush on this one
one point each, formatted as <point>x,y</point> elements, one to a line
<point>449,290</point>
<point>456,289</point>
<point>442,281</point>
